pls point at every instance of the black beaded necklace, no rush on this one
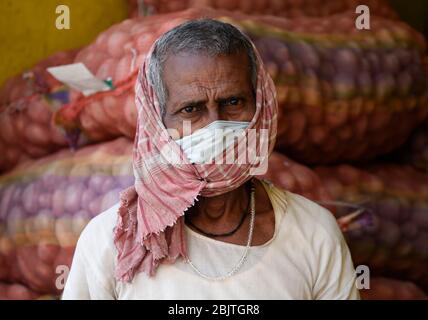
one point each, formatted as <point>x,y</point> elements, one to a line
<point>216,235</point>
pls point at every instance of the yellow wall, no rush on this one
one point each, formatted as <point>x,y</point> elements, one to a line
<point>28,33</point>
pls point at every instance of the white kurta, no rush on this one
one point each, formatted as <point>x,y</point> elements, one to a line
<point>307,258</point>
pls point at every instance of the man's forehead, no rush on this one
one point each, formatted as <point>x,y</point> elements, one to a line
<point>205,71</point>
<point>189,60</point>
<point>210,84</point>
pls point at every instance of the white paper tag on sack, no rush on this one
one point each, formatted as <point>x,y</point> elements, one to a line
<point>78,77</point>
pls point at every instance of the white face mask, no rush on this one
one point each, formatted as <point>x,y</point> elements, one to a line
<point>203,145</point>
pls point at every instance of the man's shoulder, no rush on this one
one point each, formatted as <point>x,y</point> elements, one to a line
<point>99,231</point>
<point>95,256</point>
<point>107,218</point>
<point>313,213</point>
<point>308,216</point>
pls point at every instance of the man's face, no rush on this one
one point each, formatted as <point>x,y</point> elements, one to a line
<point>203,89</point>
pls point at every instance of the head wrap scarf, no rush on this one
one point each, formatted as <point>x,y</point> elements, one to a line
<point>150,227</point>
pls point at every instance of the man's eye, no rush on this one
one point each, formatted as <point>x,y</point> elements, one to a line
<point>232,102</point>
<point>189,109</point>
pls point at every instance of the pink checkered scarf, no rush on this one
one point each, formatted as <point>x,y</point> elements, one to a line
<point>150,227</point>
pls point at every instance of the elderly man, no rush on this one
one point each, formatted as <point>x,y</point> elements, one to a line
<point>201,228</point>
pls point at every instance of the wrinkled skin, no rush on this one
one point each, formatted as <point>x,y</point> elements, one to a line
<point>203,89</point>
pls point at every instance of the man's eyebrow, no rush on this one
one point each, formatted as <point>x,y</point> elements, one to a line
<point>239,95</point>
<point>190,103</point>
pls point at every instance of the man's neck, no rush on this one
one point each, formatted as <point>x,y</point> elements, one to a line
<point>221,212</point>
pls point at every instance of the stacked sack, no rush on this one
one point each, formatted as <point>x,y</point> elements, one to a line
<point>18,292</point>
<point>27,104</point>
<point>390,289</point>
<point>390,232</point>
<point>282,8</point>
<point>415,150</point>
<point>46,203</point>
<point>116,55</point>
<point>346,90</point>
<point>292,176</point>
